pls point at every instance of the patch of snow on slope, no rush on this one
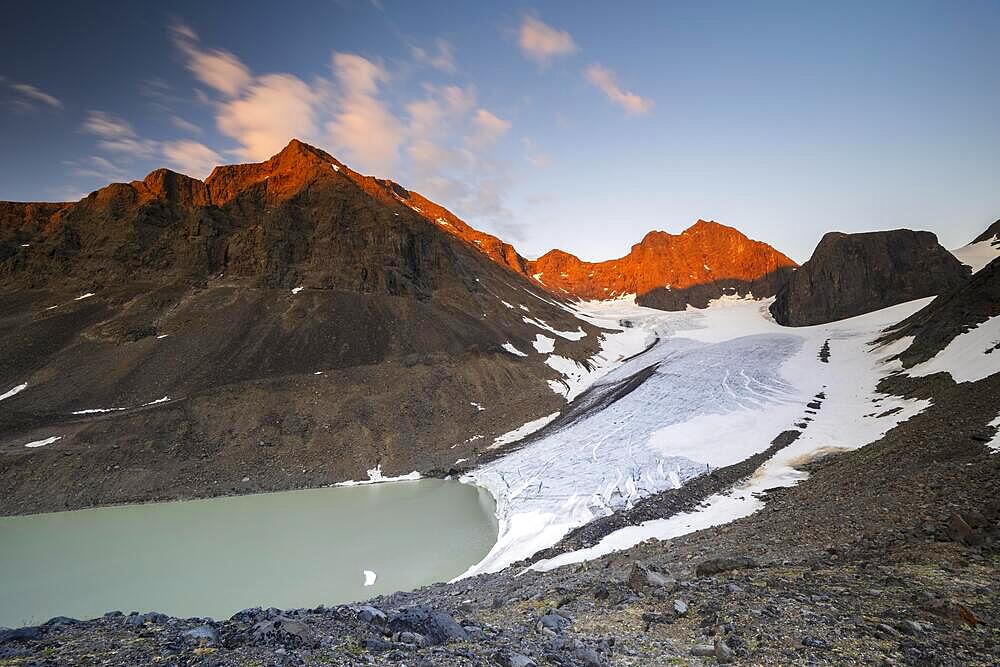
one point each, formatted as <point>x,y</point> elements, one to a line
<point>522,431</point>
<point>296,290</point>
<point>969,357</point>
<point>13,391</point>
<point>98,410</point>
<point>84,296</point>
<point>506,304</point>
<point>542,344</point>
<point>978,255</point>
<point>42,443</point>
<point>477,406</point>
<point>994,442</point>
<point>513,350</point>
<point>730,361</point>
<point>538,278</point>
<point>568,335</point>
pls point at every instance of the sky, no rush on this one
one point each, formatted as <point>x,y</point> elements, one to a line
<point>551,124</point>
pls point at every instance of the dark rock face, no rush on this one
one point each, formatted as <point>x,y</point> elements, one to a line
<point>950,314</point>
<point>992,232</point>
<point>700,295</point>
<point>851,274</point>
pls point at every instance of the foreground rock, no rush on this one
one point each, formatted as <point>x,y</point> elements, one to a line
<point>852,274</point>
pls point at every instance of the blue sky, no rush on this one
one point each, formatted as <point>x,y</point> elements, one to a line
<point>578,125</point>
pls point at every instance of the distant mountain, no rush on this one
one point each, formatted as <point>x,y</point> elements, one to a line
<point>851,274</point>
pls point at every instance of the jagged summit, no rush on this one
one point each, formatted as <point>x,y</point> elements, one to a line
<point>710,258</point>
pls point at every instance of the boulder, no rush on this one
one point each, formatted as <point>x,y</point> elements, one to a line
<point>285,631</point>
<point>436,626</point>
<point>715,566</point>
<point>641,578</point>
<point>204,635</point>
<point>507,658</point>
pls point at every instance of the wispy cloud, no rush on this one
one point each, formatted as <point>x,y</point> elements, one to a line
<point>487,129</point>
<point>604,79</point>
<point>363,127</point>
<point>541,42</point>
<point>441,58</point>
<point>216,68</point>
<point>184,125</point>
<point>36,95</point>
<point>535,156</point>
<point>26,98</point>
<point>116,135</point>
<point>191,157</point>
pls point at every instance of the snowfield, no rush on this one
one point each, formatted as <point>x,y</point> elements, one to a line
<point>680,393</point>
<point>978,255</point>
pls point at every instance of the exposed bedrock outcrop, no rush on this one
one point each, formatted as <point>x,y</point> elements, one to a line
<point>851,274</point>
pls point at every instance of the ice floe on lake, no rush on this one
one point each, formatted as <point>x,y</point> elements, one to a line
<point>375,476</point>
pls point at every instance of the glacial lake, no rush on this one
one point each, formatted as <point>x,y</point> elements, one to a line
<point>216,556</point>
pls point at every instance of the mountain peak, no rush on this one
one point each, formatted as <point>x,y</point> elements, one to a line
<point>280,176</point>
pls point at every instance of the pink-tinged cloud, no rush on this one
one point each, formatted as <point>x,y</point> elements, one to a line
<point>215,68</point>
<point>363,130</point>
<point>191,157</point>
<point>116,135</point>
<point>441,58</point>
<point>542,42</point>
<point>273,109</point>
<point>604,79</point>
<point>487,128</point>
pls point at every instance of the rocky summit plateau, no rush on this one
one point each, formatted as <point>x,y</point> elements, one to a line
<point>699,453</point>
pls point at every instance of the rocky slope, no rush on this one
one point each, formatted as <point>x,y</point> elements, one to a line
<point>283,324</point>
<point>851,274</point>
<point>949,315</point>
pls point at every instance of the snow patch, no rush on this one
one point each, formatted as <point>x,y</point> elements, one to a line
<point>14,391</point>
<point>477,406</point>
<point>568,335</point>
<point>296,290</point>
<point>522,431</point>
<point>994,442</point>
<point>506,304</point>
<point>42,443</point>
<point>513,350</point>
<point>544,344</point>
<point>969,357</point>
<point>84,296</point>
<point>538,278</point>
<point>978,255</point>
<point>98,410</point>
<point>335,167</point>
